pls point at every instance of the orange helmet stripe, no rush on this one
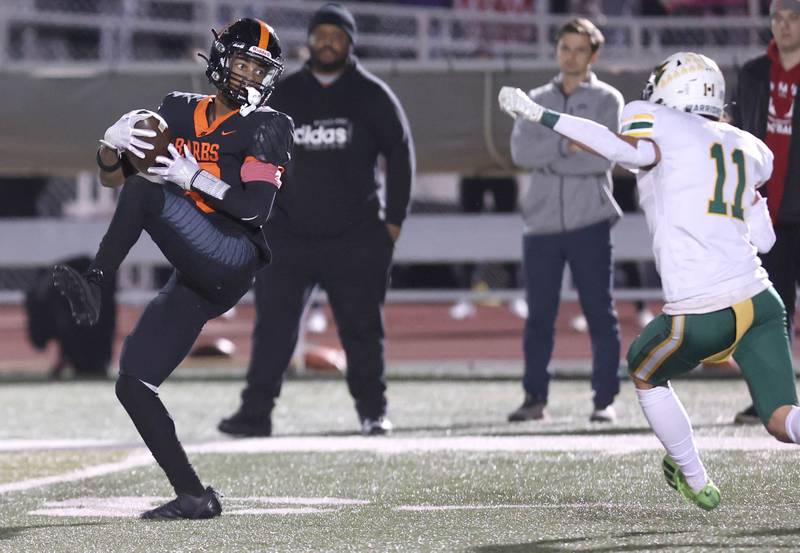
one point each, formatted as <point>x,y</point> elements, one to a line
<point>263,39</point>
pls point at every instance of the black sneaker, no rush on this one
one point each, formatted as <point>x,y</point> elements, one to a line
<point>188,506</point>
<point>247,423</point>
<point>379,426</point>
<point>82,292</point>
<point>530,410</point>
<point>747,416</point>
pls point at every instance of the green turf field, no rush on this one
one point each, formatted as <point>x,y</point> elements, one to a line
<point>454,477</point>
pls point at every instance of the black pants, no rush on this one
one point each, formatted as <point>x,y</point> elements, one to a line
<point>588,252</point>
<point>353,269</point>
<point>782,263</point>
<point>214,265</point>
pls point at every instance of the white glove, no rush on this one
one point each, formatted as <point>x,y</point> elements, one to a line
<point>178,169</point>
<point>518,104</point>
<point>123,136</point>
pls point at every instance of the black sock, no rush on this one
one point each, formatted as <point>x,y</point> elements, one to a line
<point>158,431</point>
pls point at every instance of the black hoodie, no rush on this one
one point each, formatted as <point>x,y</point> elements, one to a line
<point>331,183</point>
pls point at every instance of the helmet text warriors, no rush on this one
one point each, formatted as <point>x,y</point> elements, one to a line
<point>688,82</point>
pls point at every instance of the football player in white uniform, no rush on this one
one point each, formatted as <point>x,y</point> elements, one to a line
<point>697,179</point>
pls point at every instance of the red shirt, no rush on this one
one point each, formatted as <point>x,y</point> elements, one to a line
<point>782,90</point>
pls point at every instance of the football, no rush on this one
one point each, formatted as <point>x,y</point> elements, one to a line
<point>160,141</point>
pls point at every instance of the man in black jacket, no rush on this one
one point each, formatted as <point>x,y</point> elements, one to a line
<point>766,105</point>
<point>329,226</point>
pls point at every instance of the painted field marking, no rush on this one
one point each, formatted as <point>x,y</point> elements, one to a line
<point>608,445</point>
<point>134,460</point>
<point>131,506</point>
<point>40,445</point>
<point>533,506</point>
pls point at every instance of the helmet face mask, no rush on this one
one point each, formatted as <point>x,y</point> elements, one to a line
<point>687,82</point>
<point>249,39</point>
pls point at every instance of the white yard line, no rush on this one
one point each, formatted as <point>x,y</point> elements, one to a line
<point>42,445</point>
<point>609,445</point>
<point>131,506</point>
<point>420,508</point>
<point>134,460</point>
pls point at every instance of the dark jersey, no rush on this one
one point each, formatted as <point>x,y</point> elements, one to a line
<point>247,153</point>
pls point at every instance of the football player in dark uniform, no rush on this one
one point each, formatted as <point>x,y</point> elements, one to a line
<point>204,206</point>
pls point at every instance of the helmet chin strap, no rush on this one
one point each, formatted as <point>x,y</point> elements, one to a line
<point>253,101</point>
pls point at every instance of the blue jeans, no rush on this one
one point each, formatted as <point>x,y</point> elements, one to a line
<point>588,252</point>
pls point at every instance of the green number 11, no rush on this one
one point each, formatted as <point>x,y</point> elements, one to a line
<point>717,205</point>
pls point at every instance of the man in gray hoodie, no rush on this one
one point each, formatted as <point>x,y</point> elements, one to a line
<point>568,213</point>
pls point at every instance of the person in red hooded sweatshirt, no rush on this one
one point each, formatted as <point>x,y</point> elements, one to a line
<point>765,102</point>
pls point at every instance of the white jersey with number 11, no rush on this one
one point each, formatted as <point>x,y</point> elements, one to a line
<point>696,201</point>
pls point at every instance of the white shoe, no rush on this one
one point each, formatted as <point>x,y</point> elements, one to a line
<point>644,317</point>
<point>519,307</point>
<point>462,310</point>
<point>317,322</point>
<point>579,324</point>
<point>381,426</point>
<point>609,414</point>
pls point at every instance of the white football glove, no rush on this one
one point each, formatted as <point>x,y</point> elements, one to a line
<point>179,169</point>
<point>123,136</point>
<point>518,104</point>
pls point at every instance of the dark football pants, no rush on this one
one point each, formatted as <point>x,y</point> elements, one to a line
<point>588,252</point>
<point>782,263</point>
<point>214,267</point>
<point>353,270</point>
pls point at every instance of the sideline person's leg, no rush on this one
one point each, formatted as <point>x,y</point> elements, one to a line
<point>543,263</point>
<point>282,289</point>
<point>589,258</point>
<point>356,279</point>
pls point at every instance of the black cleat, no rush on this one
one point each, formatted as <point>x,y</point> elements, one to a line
<point>248,423</point>
<point>188,506</point>
<point>82,292</point>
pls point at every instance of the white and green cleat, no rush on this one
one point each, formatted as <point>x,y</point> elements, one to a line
<point>708,498</point>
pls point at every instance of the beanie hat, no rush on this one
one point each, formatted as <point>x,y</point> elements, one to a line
<point>335,14</point>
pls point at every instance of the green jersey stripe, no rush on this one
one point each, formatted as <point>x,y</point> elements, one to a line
<point>637,125</point>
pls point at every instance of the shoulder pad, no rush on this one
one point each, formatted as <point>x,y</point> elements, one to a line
<point>187,96</point>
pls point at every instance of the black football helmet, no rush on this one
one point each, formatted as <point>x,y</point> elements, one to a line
<point>250,38</point>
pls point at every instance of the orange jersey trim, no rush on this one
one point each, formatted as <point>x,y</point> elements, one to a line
<point>199,202</point>
<point>201,126</point>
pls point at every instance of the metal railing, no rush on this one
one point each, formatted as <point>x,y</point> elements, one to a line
<point>165,35</point>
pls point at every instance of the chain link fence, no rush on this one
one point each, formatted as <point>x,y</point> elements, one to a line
<point>131,33</point>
